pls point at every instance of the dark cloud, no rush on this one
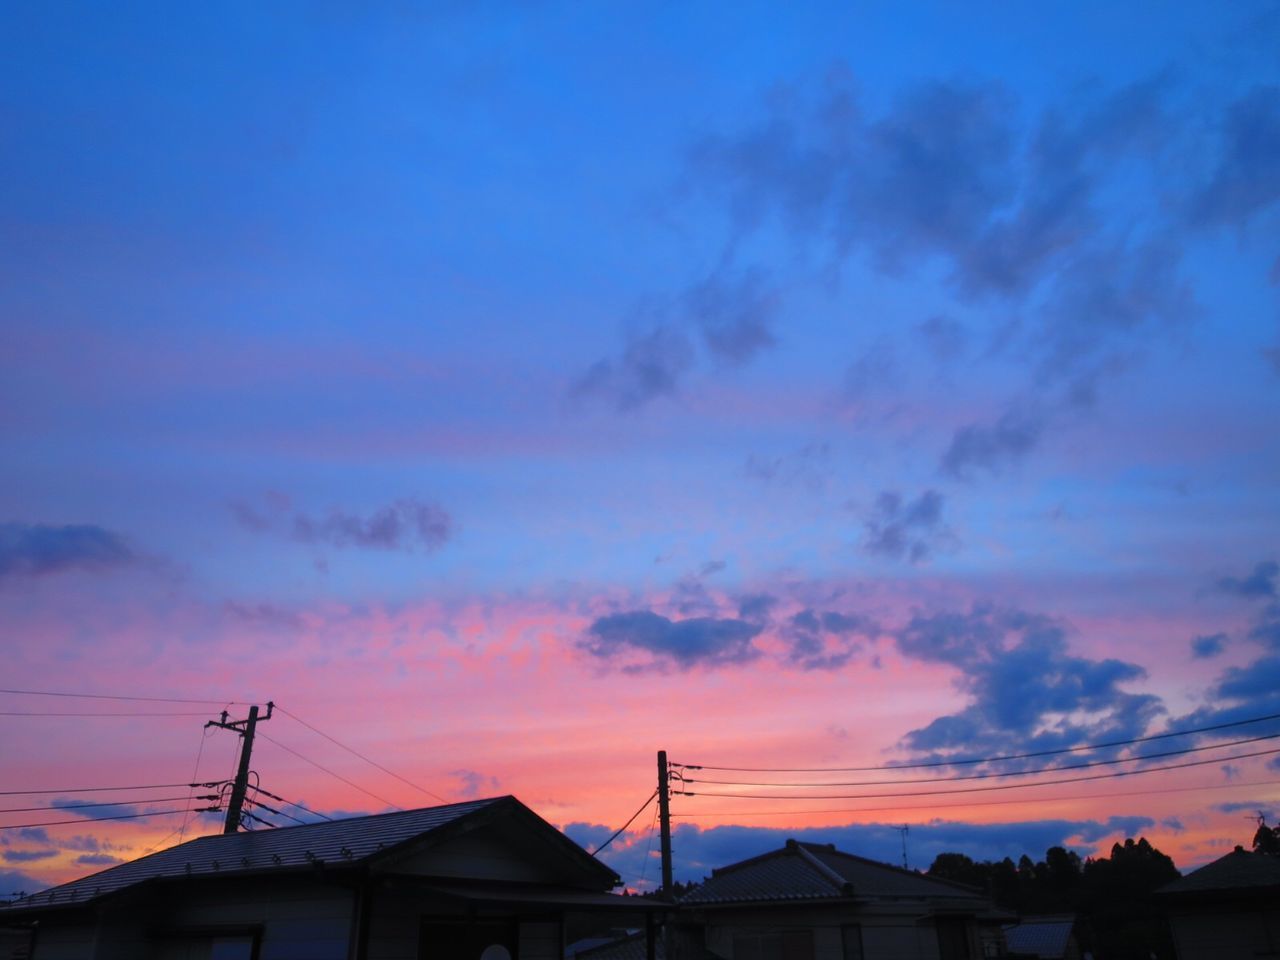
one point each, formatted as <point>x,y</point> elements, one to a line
<point>1105,305</point>
<point>1247,179</point>
<point>98,860</point>
<point>95,810</point>
<point>735,317</point>
<point>14,882</point>
<point>756,606</point>
<point>1252,806</point>
<point>992,448</point>
<point>1209,645</point>
<point>1240,693</point>
<point>952,176</point>
<point>403,525</point>
<point>650,366</point>
<point>39,549</point>
<point>697,641</point>
<point>1028,692</point>
<point>825,640</point>
<point>1261,582</point>
<point>906,530</point>
<point>27,856</point>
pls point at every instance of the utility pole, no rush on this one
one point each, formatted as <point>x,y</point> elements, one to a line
<point>664,821</point>
<point>246,729</point>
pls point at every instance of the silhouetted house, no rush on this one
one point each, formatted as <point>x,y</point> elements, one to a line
<point>1043,938</point>
<point>813,902</point>
<point>1227,909</point>
<point>443,882</point>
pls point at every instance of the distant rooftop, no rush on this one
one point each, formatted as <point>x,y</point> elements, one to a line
<point>810,871</point>
<point>1240,869</point>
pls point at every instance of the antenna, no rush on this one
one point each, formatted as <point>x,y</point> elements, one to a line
<point>904,830</point>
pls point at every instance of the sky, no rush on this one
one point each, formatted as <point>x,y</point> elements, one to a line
<point>511,391</point>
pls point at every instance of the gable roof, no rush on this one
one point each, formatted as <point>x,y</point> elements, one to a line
<point>1241,869</point>
<point>811,871</point>
<point>340,844</point>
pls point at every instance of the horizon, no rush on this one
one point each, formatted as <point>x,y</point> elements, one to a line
<point>510,392</point>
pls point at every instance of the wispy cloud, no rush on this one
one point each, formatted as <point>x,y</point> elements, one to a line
<point>34,550</point>
<point>906,529</point>
<point>405,524</point>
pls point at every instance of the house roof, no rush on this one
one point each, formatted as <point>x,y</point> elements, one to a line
<point>1046,937</point>
<point>1241,870</point>
<point>810,871</point>
<point>336,844</point>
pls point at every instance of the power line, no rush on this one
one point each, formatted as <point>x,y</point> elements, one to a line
<point>32,713</point>
<point>619,831</point>
<point>979,803</point>
<point>110,803</point>
<point>148,786</point>
<point>1003,786</point>
<point>995,759</point>
<point>319,766</point>
<point>270,809</point>
<point>357,753</point>
<point>993,775</point>
<point>113,696</point>
<point>123,816</point>
<point>267,823</point>
<point>294,803</point>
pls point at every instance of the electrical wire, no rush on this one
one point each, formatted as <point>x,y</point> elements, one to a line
<point>352,750</point>
<point>111,696</point>
<point>34,713</point>
<point>195,772</point>
<point>619,831</point>
<point>648,850</point>
<point>294,803</point>
<point>148,786</point>
<point>995,759</point>
<point>978,803</point>
<point>270,809</point>
<point>327,770</point>
<point>993,775</point>
<point>1003,786</point>
<point>251,816</point>
<point>82,820</point>
<point>109,803</point>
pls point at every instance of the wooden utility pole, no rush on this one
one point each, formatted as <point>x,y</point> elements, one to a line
<point>664,821</point>
<point>246,729</point>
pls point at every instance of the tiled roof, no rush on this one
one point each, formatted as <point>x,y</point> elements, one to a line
<point>1239,870</point>
<point>1046,938</point>
<point>808,871</point>
<point>337,843</point>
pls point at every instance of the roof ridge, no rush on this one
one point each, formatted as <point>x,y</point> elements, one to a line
<point>914,874</point>
<point>842,883</point>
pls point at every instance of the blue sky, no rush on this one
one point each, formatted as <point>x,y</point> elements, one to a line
<point>560,363</point>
